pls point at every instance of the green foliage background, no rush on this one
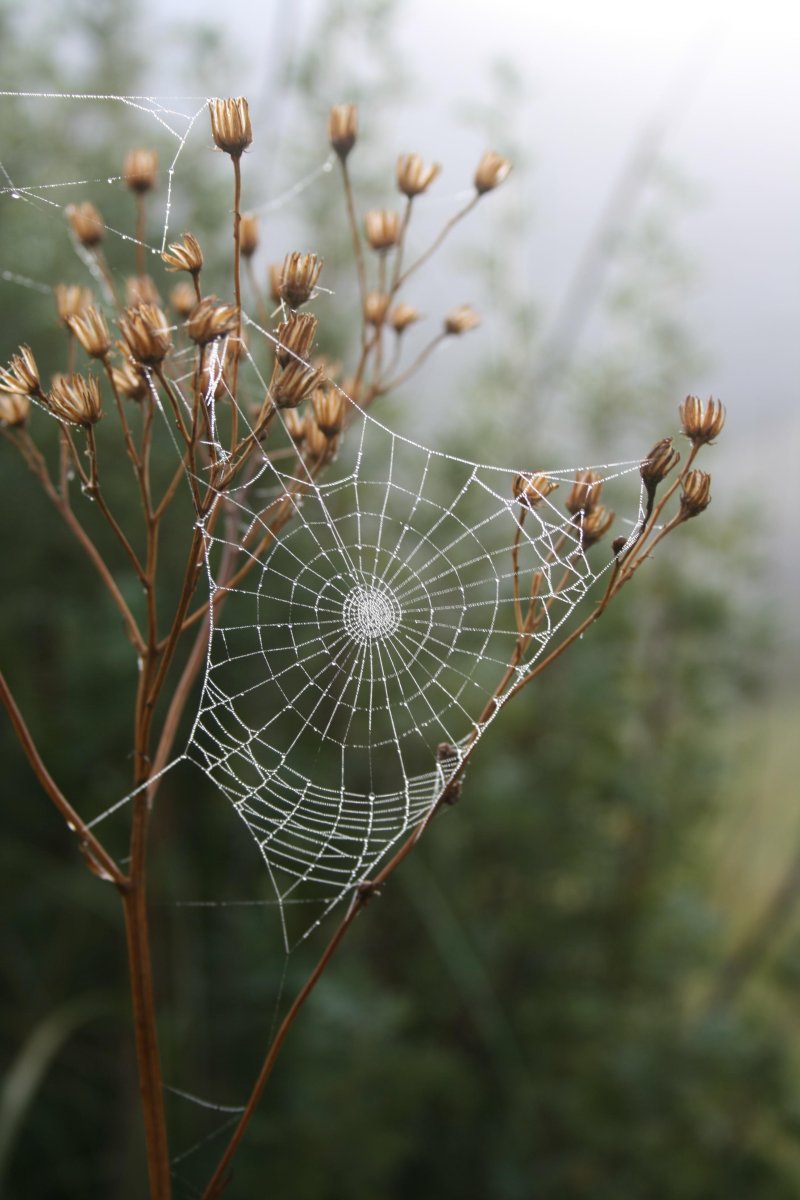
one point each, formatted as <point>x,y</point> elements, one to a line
<point>525,1011</point>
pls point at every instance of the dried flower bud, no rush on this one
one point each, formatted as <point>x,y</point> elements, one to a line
<point>75,400</point>
<point>70,300</point>
<point>21,376</point>
<point>401,316</point>
<point>183,298</point>
<point>343,128</point>
<point>593,524</point>
<point>329,409</point>
<point>619,544</point>
<point>413,177</point>
<point>658,464</point>
<point>491,171</point>
<point>696,494</point>
<point>319,447</point>
<point>375,308</point>
<point>299,278</point>
<point>382,229</point>
<point>585,493</point>
<point>295,337</point>
<point>139,170</point>
<point>86,223</point>
<point>291,384</point>
<point>295,425</point>
<point>215,377</point>
<point>274,277</point>
<point>702,425</point>
<point>248,235</point>
<point>91,331</point>
<point>209,320</point>
<point>530,489</point>
<point>230,125</point>
<point>146,334</point>
<point>140,289</point>
<point>184,255</point>
<point>14,409</point>
<point>129,381</point>
<point>461,320</point>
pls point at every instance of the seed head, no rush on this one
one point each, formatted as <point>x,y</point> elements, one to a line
<point>329,409</point>
<point>230,125</point>
<point>593,524</point>
<point>585,493</point>
<point>413,177</point>
<point>91,331</point>
<point>382,229</point>
<point>530,489</point>
<point>14,409</point>
<point>658,464</point>
<point>461,320</point>
<point>129,381</point>
<point>491,171</point>
<point>295,425</point>
<point>375,308</point>
<point>299,278</point>
<point>248,235</point>
<point>21,376</point>
<point>295,337</point>
<point>146,334</point>
<point>70,300</point>
<point>75,400</point>
<point>702,425</point>
<point>343,128</point>
<point>140,289</point>
<point>696,494</point>
<point>86,224</point>
<point>319,447</point>
<point>210,320</point>
<point>139,170</point>
<point>274,277</point>
<point>401,316</point>
<point>291,384</point>
<point>184,255</point>
<point>183,298</point>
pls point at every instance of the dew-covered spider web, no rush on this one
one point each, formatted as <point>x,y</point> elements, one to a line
<point>364,615</point>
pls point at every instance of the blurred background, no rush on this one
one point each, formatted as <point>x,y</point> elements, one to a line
<point>585,981</point>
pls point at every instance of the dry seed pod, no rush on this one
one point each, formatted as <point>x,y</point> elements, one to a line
<point>295,425</point>
<point>21,376</point>
<point>343,128</point>
<point>491,171</point>
<point>140,289</point>
<point>210,320</point>
<point>413,177</point>
<point>14,409</point>
<point>86,224</point>
<point>274,277</point>
<point>75,400</point>
<point>585,493</point>
<point>295,337</point>
<point>146,334</point>
<point>461,320</point>
<point>658,464</point>
<point>248,235</point>
<point>183,298</point>
<point>91,331</point>
<point>401,316</point>
<point>593,524</point>
<point>71,300</point>
<point>530,489</point>
<point>382,229</point>
<point>139,170</point>
<point>702,425</point>
<point>318,446</point>
<point>129,382</point>
<point>230,125</point>
<point>291,384</point>
<point>696,494</point>
<point>184,255</point>
<point>375,308</point>
<point>329,410</point>
<point>299,278</point>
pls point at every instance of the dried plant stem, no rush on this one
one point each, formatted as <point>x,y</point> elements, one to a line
<point>237,288</point>
<point>437,241</point>
<point>140,220</point>
<point>358,250</point>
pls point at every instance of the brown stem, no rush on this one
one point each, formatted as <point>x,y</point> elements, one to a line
<point>437,241</point>
<point>140,217</point>
<point>358,251</point>
<point>237,287</point>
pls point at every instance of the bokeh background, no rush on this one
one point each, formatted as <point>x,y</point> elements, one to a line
<point>585,981</point>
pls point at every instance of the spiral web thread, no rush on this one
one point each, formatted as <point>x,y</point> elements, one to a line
<point>370,631</point>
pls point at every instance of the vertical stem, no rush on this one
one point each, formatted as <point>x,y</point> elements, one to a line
<point>237,286</point>
<point>140,234</point>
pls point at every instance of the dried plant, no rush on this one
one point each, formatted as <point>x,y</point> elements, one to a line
<point>141,373</point>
